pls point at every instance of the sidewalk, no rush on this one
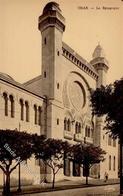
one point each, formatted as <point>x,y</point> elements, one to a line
<point>62,185</point>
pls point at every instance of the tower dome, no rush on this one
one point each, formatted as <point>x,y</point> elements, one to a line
<point>101,65</point>
<point>51,16</point>
<point>51,6</point>
<point>98,52</point>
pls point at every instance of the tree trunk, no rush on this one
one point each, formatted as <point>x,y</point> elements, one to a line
<point>53,184</point>
<point>121,167</point>
<point>86,180</point>
<point>7,185</point>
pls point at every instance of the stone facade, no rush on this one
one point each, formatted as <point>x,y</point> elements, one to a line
<point>60,96</point>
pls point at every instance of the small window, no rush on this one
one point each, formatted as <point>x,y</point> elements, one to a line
<point>21,109</point>
<point>12,105</point>
<point>114,164</point>
<point>86,131</point>
<point>57,121</point>
<point>103,137</point>
<point>39,115</point>
<point>57,85</point>
<point>79,128</point>
<point>58,53</point>
<point>45,75</point>
<point>5,104</point>
<point>114,142</point>
<point>92,133</point>
<point>65,124</point>
<point>68,125</point>
<point>76,127</point>
<point>109,162</point>
<point>27,111</point>
<point>89,132</point>
<point>109,140</point>
<point>35,114</point>
<point>45,41</point>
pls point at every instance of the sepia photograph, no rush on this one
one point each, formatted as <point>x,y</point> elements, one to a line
<point>61,97</point>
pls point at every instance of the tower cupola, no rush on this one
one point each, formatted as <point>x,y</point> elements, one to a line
<point>99,59</point>
<point>51,6</point>
<point>51,16</point>
<point>100,63</point>
<point>98,52</point>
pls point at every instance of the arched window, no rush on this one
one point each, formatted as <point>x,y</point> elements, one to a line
<point>86,131</point>
<point>5,104</point>
<point>92,132</point>
<point>57,85</point>
<point>35,114</point>
<point>27,111</point>
<point>114,142</point>
<point>39,115</point>
<point>89,132</point>
<point>57,121</point>
<point>109,140</point>
<point>68,125</point>
<point>12,105</point>
<point>76,127</point>
<point>21,109</point>
<point>45,74</point>
<point>109,162</point>
<point>45,41</point>
<point>114,164</point>
<point>65,124</point>
<point>79,128</point>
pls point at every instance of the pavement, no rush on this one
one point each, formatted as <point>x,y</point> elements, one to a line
<point>70,183</point>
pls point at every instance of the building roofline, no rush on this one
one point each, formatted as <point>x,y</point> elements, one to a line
<point>20,86</point>
<point>32,80</point>
<point>73,56</point>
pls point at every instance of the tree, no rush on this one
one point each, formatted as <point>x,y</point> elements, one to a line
<point>52,153</point>
<point>15,147</point>
<point>87,155</point>
<point>108,101</point>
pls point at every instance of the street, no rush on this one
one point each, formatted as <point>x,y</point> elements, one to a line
<point>109,190</point>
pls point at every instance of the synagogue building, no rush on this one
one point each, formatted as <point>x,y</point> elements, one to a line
<point>57,102</point>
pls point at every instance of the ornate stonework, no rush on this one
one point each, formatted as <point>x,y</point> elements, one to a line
<point>77,95</point>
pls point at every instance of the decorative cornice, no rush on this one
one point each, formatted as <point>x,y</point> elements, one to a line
<point>101,66</point>
<point>100,63</point>
<point>79,61</point>
<point>51,18</point>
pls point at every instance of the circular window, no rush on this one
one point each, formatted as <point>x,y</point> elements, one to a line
<point>77,95</point>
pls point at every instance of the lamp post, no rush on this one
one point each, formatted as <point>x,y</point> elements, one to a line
<point>19,172</point>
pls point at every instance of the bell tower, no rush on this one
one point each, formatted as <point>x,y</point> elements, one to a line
<point>51,25</point>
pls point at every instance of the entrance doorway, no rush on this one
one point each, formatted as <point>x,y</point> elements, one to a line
<point>76,169</point>
<point>66,167</point>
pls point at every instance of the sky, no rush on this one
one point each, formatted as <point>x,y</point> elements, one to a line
<point>88,22</point>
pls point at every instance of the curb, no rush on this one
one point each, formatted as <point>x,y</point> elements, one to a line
<point>67,187</point>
